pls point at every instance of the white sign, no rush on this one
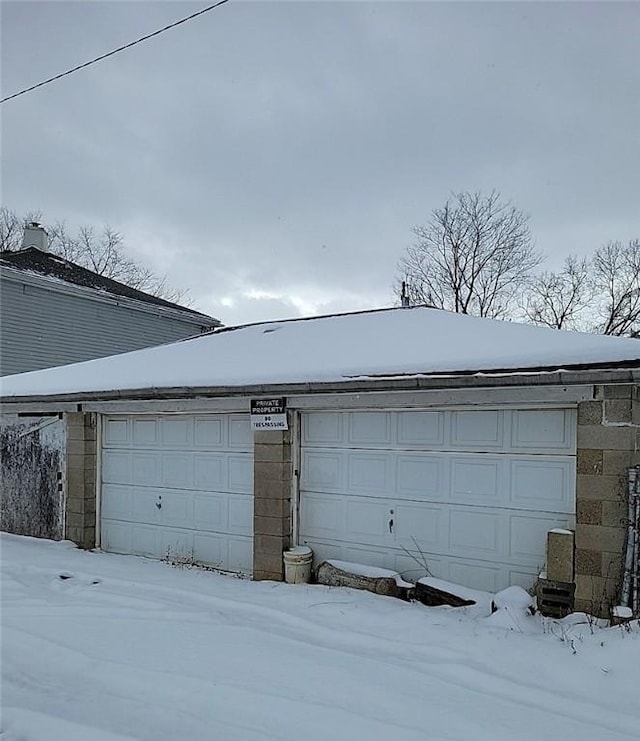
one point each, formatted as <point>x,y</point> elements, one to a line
<point>269,414</point>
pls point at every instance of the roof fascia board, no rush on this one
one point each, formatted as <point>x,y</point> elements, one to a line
<point>96,294</point>
<point>482,381</point>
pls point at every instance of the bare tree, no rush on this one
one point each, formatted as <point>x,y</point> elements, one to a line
<point>616,277</point>
<point>102,252</point>
<point>560,300</point>
<point>472,257</point>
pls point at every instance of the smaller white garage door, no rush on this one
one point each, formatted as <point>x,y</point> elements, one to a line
<point>470,492</point>
<point>179,487</point>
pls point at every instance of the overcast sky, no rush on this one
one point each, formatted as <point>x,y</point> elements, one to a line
<point>272,157</point>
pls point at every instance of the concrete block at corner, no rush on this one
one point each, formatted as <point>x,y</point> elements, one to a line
<point>616,462</point>
<point>588,512</point>
<point>614,514</point>
<point>271,507</point>
<point>272,437</point>
<point>271,488</point>
<point>601,538</point>
<point>589,461</point>
<point>601,437</point>
<point>590,413</point>
<point>268,453</point>
<point>560,547</point>
<point>268,566</point>
<point>588,563</point>
<point>590,486</point>
<point>274,470</point>
<point>595,593</point>
<point>617,411</point>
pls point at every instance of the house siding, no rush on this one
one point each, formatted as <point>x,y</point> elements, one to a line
<point>44,327</point>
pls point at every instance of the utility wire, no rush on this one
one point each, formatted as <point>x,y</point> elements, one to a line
<point>116,51</point>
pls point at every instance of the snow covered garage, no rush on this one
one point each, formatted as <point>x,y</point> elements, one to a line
<point>416,439</point>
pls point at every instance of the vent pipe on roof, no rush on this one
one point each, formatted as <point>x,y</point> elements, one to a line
<point>35,235</point>
<point>404,297</point>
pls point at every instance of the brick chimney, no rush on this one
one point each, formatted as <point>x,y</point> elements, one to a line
<point>35,236</point>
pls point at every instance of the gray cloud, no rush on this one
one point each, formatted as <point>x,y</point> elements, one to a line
<point>273,157</point>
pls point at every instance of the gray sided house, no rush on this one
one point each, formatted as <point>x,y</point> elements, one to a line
<point>416,440</point>
<point>54,312</point>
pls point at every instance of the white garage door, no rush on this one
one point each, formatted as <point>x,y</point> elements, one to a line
<point>179,486</point>
<point>470,492</point>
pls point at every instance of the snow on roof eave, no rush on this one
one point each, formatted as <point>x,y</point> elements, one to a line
<point>622,373</point>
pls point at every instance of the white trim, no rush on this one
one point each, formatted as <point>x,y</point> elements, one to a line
<point>99,423</point>
<point>296,451</point>
<point>169,406</point>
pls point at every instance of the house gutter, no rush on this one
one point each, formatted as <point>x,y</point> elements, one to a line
<point>74,401</point>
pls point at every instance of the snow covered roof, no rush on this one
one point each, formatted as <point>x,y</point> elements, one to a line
<point>376,344</point>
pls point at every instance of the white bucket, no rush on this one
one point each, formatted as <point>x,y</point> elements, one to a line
<point>297,564</point>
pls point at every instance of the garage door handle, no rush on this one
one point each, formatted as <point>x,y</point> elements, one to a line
<point>159,503</point>
<point>391,525</point>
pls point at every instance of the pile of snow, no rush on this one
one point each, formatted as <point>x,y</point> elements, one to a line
<point>101,647</point>
<point>386,343</point>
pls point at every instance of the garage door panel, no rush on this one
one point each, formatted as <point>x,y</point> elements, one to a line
<point>116,467</point>
<point>240,469</point>
<point>177,470</point>
<point>368,520</point>
<point>543,429</point>
<point>168,479</point>
<point>542,483</point>
<point>240,434</point>
<point>477,429</point>
<point>477,480</point>
<point>146,469</point>
<point>421,429</point>
<point>422,477</point>
<point>177,432</point>
<point>323,516</point>
<point>143,506</point>
<point>116,431</point>
<point>323,429</point>
<point>474,532</point>
<point>418,526</point>
<point>116,501</point>
<point>485,577</point>
<point>240,515</point>
<point>370,473</point>
<point>527,531</point>
<point>369,429</point>
<point>209,471</point>
<point>145,431</point>
<point>322,470</point>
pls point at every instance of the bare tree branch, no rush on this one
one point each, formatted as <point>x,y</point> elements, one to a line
<point>616,276</point>
<point>472,257</point>
<point>102,252</point>
<point>560,300</point>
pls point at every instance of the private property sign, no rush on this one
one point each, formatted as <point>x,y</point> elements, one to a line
<point>269,414</point>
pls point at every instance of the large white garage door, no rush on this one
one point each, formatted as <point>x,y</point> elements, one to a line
<point>470,492</point>
<point>179,486</point>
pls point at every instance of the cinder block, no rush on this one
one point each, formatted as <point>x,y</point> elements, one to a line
<point>268,567</point>
<point>600,437</point>
<point>269,545</point>
<point>588,512</point>
<point>614,514</point>
<point>616,462</point>
<point>271,525</point>
<point>555,598</point>
<point>271,507</point>
<point>600,538</point>
<point>267,453</point>
<point>271,489</point>
<point>590,413</point>
<point>589,486</point>
<point>588,563</point>
<point>617,410</point>
<point>596,594</point>
<point>273,470</point>
<point>589,462</point>
<point>560,546</point>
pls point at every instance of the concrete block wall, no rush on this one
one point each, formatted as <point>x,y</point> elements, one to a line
<point>81,464</point>
<point>272,474</point>
<point>607,445</point>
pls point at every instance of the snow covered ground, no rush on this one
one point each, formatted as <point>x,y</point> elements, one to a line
<point>98,647</point>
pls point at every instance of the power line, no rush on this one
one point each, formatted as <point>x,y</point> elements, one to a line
<point>116,51</point>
